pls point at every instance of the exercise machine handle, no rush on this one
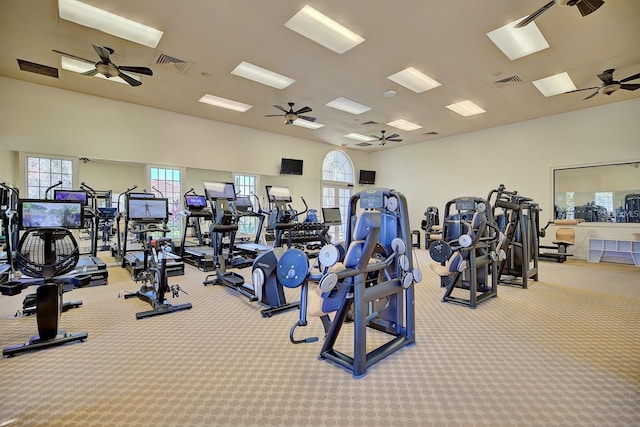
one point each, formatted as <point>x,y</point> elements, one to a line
<point>46,193</point>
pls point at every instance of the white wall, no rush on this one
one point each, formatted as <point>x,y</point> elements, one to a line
<point>521,156</point>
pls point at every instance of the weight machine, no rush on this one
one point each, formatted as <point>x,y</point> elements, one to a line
<point>372,289</point>
<point>466,258</point>
<point>520,243</point>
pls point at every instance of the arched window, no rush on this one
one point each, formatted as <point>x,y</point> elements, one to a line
<point>337,167</point>
<point>337,182</point>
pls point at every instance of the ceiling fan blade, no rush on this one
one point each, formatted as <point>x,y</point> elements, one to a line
<point>630,86</point>
<point>103,53</point>
<point>534,15</point>
<point>304,110</point>
<point>138,70</point>
<point>274,115</point>
<point>586,88</point>
<point>281,108</point>
<point>129,79</point>
<point>395,135</point>
<point>73,56</point>
<point>591,96</point>
<point>626,79</point>
<point>589,6</point>
<point>90,72</point>
<point>307,118</point>
<point>607,76</point>
<point>394,140</point>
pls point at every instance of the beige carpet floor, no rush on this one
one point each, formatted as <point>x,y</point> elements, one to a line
<point>565,352</point>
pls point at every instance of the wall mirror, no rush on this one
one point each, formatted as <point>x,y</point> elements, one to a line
<point>603,193</point>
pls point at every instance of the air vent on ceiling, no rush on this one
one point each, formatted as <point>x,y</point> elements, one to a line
<point>180,65</point>
<point>32,67</point>
<point>508,81</point>
<point>431,133</point>
<point>363,144</point>
<point>370,123</point>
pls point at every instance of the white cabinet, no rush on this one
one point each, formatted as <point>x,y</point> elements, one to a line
<point>605,248</point>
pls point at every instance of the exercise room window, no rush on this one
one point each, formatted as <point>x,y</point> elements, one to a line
<point>43,172</point>
<point>166,182</point>
<point>337,182</point>
<point>245,186</point>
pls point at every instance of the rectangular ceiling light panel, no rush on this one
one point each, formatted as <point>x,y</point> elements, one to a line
<point>323,30</point>
<point>414,80</point>
<point>518,42</point>
<point>345,104</point>
<point>76,66</point>
<point>466,108</point>
<point>262,75</point>
<point>93,17</point>
<point>359,137</point>
<point>224,103</point>
<point>555,85</point>
<point>307,124</point>
<point>404,125</point>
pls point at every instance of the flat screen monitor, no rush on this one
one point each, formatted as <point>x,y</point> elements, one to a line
<point>220,190</point>
<point>195,202</point>
<point>331,216</point>
<point>147,209</point>
<point>243,204</point>
<point>78,195</point>
<point>278,194</point>
<point>34,213</point>
<point>142,195</point>
<point>367,177</point>
<point>290,167</point>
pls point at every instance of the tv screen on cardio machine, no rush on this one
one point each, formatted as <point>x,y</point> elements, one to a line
<point>195,202</point>
<point>331,216</point>
<point>34,213</point>
<point>78,195</point>
<point>147,209</point>
<point>278,194</point>
<point>220,190</point>
<point>243,204</point>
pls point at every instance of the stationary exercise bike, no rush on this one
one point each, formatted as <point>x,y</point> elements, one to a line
<point>153,275</point>
<point>46,255</point>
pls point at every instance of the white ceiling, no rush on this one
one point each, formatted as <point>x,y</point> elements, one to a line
<point>445,39</point>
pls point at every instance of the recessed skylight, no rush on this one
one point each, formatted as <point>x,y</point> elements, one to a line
<point>345,104</point>
<point>76,66</point>
<point>404,125</point>
<point>323,30</point>
<point>224,103</point>
<point>307,124</point>
<point>414,80</point>
<point>555,85</point>
<point>93,17</point>
<point>466,108</point>
<point>262,75</point>
<point>359,137</point>
<point>518,42</point>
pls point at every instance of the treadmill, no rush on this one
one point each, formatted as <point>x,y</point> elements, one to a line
<point>88,263</point>
<point>143,210</point>
<point>200,255</point>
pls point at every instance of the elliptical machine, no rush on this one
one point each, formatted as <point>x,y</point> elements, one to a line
<point>221,196</point>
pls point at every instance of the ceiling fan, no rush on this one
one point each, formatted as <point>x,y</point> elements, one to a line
<point>609,85</point>
<point>291,116</point>
<point>384,139</point>
<point>108,68</point>
<point>584,6</point>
